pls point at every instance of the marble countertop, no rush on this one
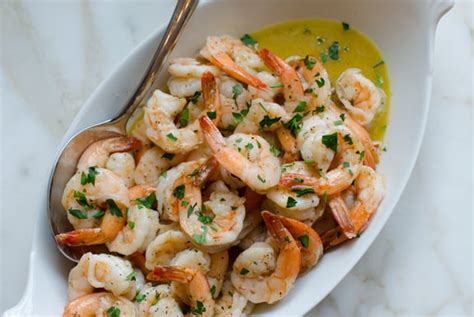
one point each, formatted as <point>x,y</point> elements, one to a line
<point>421,264</point>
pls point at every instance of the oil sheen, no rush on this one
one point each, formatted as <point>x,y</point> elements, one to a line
<point>315,37</point>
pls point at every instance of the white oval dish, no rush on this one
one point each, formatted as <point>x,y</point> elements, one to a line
<point>403,31</point>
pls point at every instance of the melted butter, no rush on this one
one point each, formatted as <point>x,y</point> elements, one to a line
<point>315,36</point>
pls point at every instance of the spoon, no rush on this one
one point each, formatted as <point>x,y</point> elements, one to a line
<point>65,165</point>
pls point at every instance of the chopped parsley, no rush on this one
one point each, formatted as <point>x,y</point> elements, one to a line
<point>237,117</point>
<point>277,86</point>
<point>303,191</point>
<point>79,214</point>
<point>267,121</point>
<point>333,51</point>
<point>248,40</point>
<point>249,146</point>
<point>81,199</point>
<point>200,238</point>
<point>132,276</point>
<point>345,164</point>
<point>146,202</point>
<point>309,62</point>
<point>172,137</point>
<point>300,107</point>
<point>294,124</point>
<point>275,151</point>
<point>236,91</point>
<point>131,224</point>
<point>212,115</point>
<point>338,122</point>
<point>184,117</point>
<point>304,239</point>
<point>342,116</point>
<point>261,179</point>
<point>306,31</point>
<point>320,82</point>
<point>319,109</point>
<point>99,214</point>
<point>213,291</point>
<point>139,297</point>
<point>244,271</point>
<point>179,191</point>
<point>194,98</point>
<point>345,26</point>
<point>191,209</point>
<point>378,80</point>
<point>330,141</point>
<point>113,312</point>
<point>291,202</point>
<point>90,176</point>
<point>168,156</point>
<point>347,138</point>
<point>114,209</point>
<point>361,156</point>
<point>378,64</point>
<point>298,180</point>
<point>324,57</point>
<point>205,219</point>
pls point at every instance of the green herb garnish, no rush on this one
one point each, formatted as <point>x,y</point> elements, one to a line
<point>330,141</point>
<point>248,40</point>
<point>79,214</point>
<point>291,202</point>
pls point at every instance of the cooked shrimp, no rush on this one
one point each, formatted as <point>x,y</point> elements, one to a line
<point>232,303</point>
<point>262,115</point>
<point>102,190</point>
<point>217,271</point>
<point>253,202</point>
<point>161,111</point>
<point>359,95</point>
<point>234,58</point>
<point>370,189</point>
<point>165,247</point>
<point>105,271</point>
<point>98,152</point>
<point>273,286</point>
<point>197,286</point>
<point>151,164</point>
<point>259,169</point>
<point>100,304</point>
<point>308,241</point>
<point>317,82</point>
<point>141,228</point>
<point>157,301</point>
<point>122,164</point>
<point>214,225</point>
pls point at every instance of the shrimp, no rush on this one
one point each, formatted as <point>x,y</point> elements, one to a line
<point>214,225</point>
<point>157,301</point>
<point>359,95</point>
<point>317,82</point>
<point>197,286</point>
<point>223,50</point>
<point>370,189</point>
<point>105,271</point>
<point>268,287</point>
<point>252,204</point>
<point>260,170</point>
<point>122,164</point>
<point>141,228</point>
<point>102,190</point>
<point>151,164</point>
<point>232,303</point>
<point>308,240</point>
<point>262,115</point>
<point>217,271</point>
<point>186,76</point>
<point>100,304</point>
<point>162,109</point>
<point>165,247</point>
<point>97,154</point>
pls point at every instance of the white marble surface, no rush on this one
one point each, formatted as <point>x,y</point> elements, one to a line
<point>53,55</point>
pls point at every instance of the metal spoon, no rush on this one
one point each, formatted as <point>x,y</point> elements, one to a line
<point>65,166</point>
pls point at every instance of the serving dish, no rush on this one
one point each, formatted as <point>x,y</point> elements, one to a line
<point>404,32</point>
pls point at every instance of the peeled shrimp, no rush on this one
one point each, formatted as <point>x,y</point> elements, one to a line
<point>262,115</point>
<point>83,202</point>
<point>105,271</point>
<point>259,169</point>
<point>234,58</point>
<point>151,164</point>
<point>98,153</point>
<point>359,95</point>
<point>232,303</point>
<point>165,247</point>
<point>122,164</point>
<point>274,282</point>
<point>158,301</point>
<point>317,82</point>
<point>198,289</point>
<point>100,304</point>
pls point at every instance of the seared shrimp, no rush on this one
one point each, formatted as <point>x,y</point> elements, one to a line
<point>259,169</point>
<point>232,303</point>
<point>277,280</point>
<point>157,301</point>
<point>162,109</point>
<point>234,58</point>
<point>165,247</point>
<point>214,225</point>
<point>359,95</point>
<point>197,286</point>
<point>100,304</point>
<point>370,190</point>
<point>98,153</point>
<point>317,82</point>
<point>105,190</point>
<point>105,271</point>
<point>308,241</point>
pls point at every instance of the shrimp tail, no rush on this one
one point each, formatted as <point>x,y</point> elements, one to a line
<point>210,92</point>
<point>125,144</point>
<point>276,228</point>
<point>342,216</point>
<point>138,260</point>
<point>206,171</point>
<point>82,237</point>
<point>225,62</point>
<point>170,273</point>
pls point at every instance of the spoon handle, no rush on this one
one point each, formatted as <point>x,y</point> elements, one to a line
<point>181,15</point>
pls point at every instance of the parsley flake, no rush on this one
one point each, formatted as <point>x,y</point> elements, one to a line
<point>194,98</point>
<point>304,239</point>
<point>345,26</point>
<point>300,107</point>
<point>330,141</point>
<point>267,121</point>
<point>248,40</point>
<point>168,156</point>
<point>184,117</point>
<point>114,209</point>
<point>333,51</point>
<point>303,191</point>
<point>172,137</point>
<point>146,202</point>
<point>291,202</point>
<point>275,151</point>
<point>113,312</point>
<point>309,62</point>
<point>79,214</point>
<point>244,271</point>
<point>179,191</point>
